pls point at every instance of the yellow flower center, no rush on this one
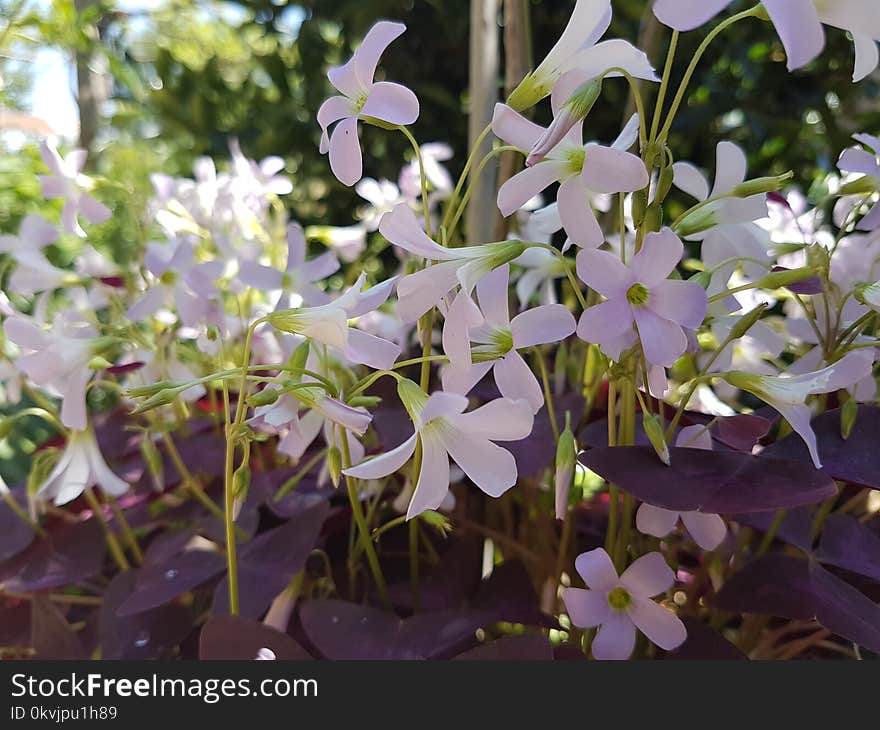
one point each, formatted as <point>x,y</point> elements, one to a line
<point>619,598</point>
<point>638,295</point>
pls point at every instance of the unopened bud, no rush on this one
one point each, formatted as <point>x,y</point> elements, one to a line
<point>747,321</point>
<point>849,412</point>
<point>566,456</point>
<point>786,277</point>
<point>639,206</point>
<point>241,484</point>
<point>153,460</point>
<point>861,186</point>
<point>297,361</point>
<point>365,401</point>
<point>655,434</point>
<point>162,398</point>
<point>145,391</point>
<point>869,295</point>
<point>703,278</point>
<point>411,396</point>
<point>99,363</point>
<point>265,397</point>
<point>653,217</point>
<point>761,185</point>
<point>436,520</point>
<point>664,183</point>
<point>573,111</point>
<point>334,464</point>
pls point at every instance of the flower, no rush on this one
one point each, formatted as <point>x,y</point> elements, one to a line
<point>640,293</point>
<point>437,176</point>
<point>180,281</point>
<point>445,432</point>
<point>581,169</point>
<point>58,361</point>
<point>788,394</point>
<point>857,160</point>
<point>798,22</point>
<point>498,338</point>
<point>68,182</point>
<point>80,467</point>
<point>465,265</point>
<point>296,283</point>
<point>577,48</point>
<point>617,605</point>
<point>362,97</point>
<point>707,530</point>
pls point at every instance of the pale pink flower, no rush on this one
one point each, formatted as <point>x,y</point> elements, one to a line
<point>866,161</point>
<point>445,432</point>
<point>68,182</point>
<point>498,339</point>
<point>618,605</point>
<point>80,467</point>
<point>362,97</point>
<point>707,530</point>
<point>583,170</point>
<point>296,284</point>
<point>798,23</point>
<point>640,293</point>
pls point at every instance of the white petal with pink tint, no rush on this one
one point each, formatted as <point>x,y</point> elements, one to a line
<point>392,103</point>
<point>648,576</point>
<point>345,152</point>
<point>597,570</point>
<point>542,325</point>
<point>515,380</point>
<point>659,624</point>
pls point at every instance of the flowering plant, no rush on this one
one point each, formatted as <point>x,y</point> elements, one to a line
<point>678,435</point>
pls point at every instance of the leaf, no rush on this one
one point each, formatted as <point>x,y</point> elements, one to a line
<point>342,630</point>
<point>69,554</point>
<point>160,583</point>
<point>144,635</point>
<point>15,533</point>
<point>845,610</point>
<point>523,647</point>
<point>269,562</point>
<point>703,643</point>
<point>855,460</point>
<point>537,451</point>
<point>51,636</point>
<point>709,481</point>
<point>796,528</point>
<point>849,544</point>
<point>236,637</point>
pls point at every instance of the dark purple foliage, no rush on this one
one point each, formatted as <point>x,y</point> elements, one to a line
<point>704,643</point>
<point>849,544</point>
<point>709,481</point>
<point>235,637</point>
<point>51,635</point>
<point>522,647</point>
<point>15,533</point>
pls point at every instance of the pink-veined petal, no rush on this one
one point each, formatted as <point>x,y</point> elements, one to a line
<point>683,302</point>
<point>686,15</point>
<point>345,152</point>
<point>615,639</point>
<point>515,380</point>
<point>586,609</point>
<point>603,272</point>
<point>663,341</point>
<point>433,484</point>
<point>542,325</point>
<point>648,576</point>
<point>577,215</point>
<point>799,29</point>
<point>384,464</point>
<point>656,521</point>
<point>707,530</point>
<point>659,624</point>
<point>597,570</point>
<point>525,185</point>
<point>392,103</point>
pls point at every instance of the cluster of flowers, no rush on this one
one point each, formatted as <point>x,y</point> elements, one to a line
<point>776,303</point>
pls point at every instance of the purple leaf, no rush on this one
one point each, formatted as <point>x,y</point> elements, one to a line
<point>709,481</point>
<point>537,451</point>
<point>235,637</point>
<point>15,533</point>
<point>145,635</point>
<point>775,585</point>
<point>810,285</point>
<point>15,625</point>
<point>509,595</point>
<point>523,647</point>
<point>69,554</point>
<point>740,432</point>
<point>703,643</point>
<point>166,545</point>
<point>796,528</point>
<point>51,636</point>
<point>844,610</point>
<point>268,563</point>
<point>849,544</point>
<point>342,630</point>
<point>855,460</point>
<point>160,583</point>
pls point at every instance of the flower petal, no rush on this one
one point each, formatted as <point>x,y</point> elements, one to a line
<point>516,381</point>
<point>433,484</point>
<point>392,103</point>
<point>799,29</point>
<point>609,170</point>
<point>683,302</point>
<point>605,322</point>
<point>542,325</point>
<point>656,521</point>
<point>594,61</point>
<point>377,39</point>
<point>402,228</point>
<point>332,110</point>
<point>707,530</point>
<point>501,419</point>
<point>615,639</point>
<point>659,624</point>
<point>686,15</point>
<point>730,167</point>
<point>513,128</point>
<point>371,350</point>
<point>648,576</point>
<point>603,272</point>
<point>663,340</point>
<point>384,464</point>
<point>660,253</point>
<point>867,55</point>
<point>597,570</point>
<point>586,609</point>
<point>525,185</point>
<point>492,294</point>
<point>345,152</point>
<point>690,179</point>
<point>577,214</point>
<point>489,466</point>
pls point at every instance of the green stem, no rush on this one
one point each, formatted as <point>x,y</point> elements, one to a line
<point>450,205</point>
<point>424,178</point>
<point>664,85</point>
<point>548,395</point>
<point>291,483</point>
<point>115,549</point>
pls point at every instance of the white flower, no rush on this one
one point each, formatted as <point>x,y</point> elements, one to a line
<point>80,467</point>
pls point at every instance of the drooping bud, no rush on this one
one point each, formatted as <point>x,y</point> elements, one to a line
<point>861,186</point>
<point>145,391</point>
<point>334,464</point>
<point>297,361</point>
<point>162,398</point>
<point>655,434</point>
<point>573,111</point>
<point>664,183</point>
<point>566,456</point>
<point>747,321</point>
<point>761,185</point>
<point>849,412</point>
<point>265,397</point>
<point>241,484</point>
<point>653,221</point>
<point>786,277</point>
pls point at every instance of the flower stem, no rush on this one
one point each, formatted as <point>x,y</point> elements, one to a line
<point>115,549</point>
<point>664,85</point>
<point>127,532</point>
<point>422,176</point>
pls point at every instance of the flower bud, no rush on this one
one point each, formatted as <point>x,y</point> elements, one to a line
<point>566,455</point>
<point>241,483</point>
<point>365,401</point>
<point>653,221</point>
<point>861,186</point>
<point>761,185</point>
<point>148,390</point>
<point>664,183</point>
<point>99,363</point>
<point>869,295</point>
<point>162,398</point>
<point>639,206</point>
<point>334,464</point>
<point>849,412</point>
<point>573,111</point>
<point>412,397</point>
<point>746,322</point>
<point>786,277</point>
<point>654,432</point>
<point>703,278</point>
<point>153,460</point>
<point>297,361</point>
<point>436,520</point>
<point>698,219</point>
<point>265,397</point>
